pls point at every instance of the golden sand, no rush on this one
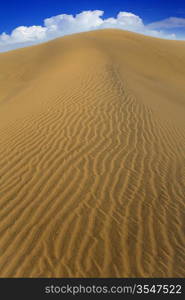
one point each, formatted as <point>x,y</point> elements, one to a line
<point>92,157</point>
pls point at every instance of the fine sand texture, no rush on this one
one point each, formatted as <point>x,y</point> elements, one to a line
<point>92,157</point>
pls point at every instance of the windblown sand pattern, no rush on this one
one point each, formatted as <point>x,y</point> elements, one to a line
<point>92,157</point>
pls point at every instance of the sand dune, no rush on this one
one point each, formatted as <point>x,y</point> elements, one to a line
<point>92,149</point>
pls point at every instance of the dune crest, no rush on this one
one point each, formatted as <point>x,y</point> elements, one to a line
<point>92,171</point>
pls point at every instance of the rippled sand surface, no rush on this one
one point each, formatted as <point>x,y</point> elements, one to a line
<point>92,157</point>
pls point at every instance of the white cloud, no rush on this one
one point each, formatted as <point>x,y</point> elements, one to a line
<point>64,24</point>
<point>169,23</point>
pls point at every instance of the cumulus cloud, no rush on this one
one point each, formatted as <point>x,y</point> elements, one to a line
<point>64,24</point>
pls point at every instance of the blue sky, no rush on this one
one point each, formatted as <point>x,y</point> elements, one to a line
<point>18,13</point>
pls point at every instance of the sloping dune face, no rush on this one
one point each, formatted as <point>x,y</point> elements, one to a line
<point>92,148</point>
